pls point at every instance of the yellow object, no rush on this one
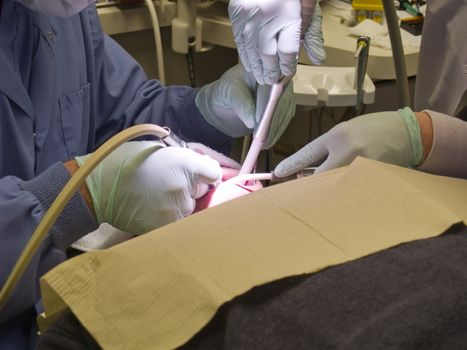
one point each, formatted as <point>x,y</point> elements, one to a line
<point>157,290</point>
<point>368,9</point>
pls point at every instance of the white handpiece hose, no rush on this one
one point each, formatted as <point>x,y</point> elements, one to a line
<point>157,40</point>
<point>261,134</point>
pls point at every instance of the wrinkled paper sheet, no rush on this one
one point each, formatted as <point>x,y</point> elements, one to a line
<point>157,290</point>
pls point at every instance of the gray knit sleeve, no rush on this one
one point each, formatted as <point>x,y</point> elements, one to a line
<point>448,154</point>
<point>76,220</point>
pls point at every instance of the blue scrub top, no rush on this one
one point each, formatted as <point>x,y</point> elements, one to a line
<point>65,88</point>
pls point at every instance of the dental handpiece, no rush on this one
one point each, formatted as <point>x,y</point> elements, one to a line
<point>261,134</point>
<point>173,140</point>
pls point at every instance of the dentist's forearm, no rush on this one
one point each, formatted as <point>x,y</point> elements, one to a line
<point>445,140</point>
<point>426,132</point>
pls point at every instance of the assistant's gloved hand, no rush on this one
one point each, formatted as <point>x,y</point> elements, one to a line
<point>234,105</point>
<point>267,34</point>
<point>392,137</point>
<point>143,185</point>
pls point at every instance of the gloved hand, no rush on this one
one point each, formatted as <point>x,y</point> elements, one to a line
<point>267,34</point>
<point>143,185</point>
<point>392,137</point>
<point>229,105</point>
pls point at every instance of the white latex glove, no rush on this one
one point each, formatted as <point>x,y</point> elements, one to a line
<point>391,137</point>
<point>234,104</point>
<point>267,34</point>
<point>143,185</point>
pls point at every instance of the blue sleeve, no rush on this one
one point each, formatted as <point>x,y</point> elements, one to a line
<point>23,204</point>
<point>123,96</point>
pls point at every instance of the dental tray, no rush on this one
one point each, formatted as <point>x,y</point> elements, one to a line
<point>329,86</point>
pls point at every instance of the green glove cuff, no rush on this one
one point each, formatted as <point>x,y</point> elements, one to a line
<point>413,127</point>
<point>91,186</point>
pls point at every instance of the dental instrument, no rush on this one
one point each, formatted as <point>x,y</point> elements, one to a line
<point>173,140</point>
<point>361,57</point>
<point>261,134</point>
<point>405,5</point>
<point>271,176</point>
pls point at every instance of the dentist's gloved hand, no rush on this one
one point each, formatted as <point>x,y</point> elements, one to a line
<point>143,185</point>
<point>267,34</point>
<point>391,137</point>
<point>234,105</point>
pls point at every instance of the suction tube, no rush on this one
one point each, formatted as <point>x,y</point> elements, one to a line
<point>261,134</point>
